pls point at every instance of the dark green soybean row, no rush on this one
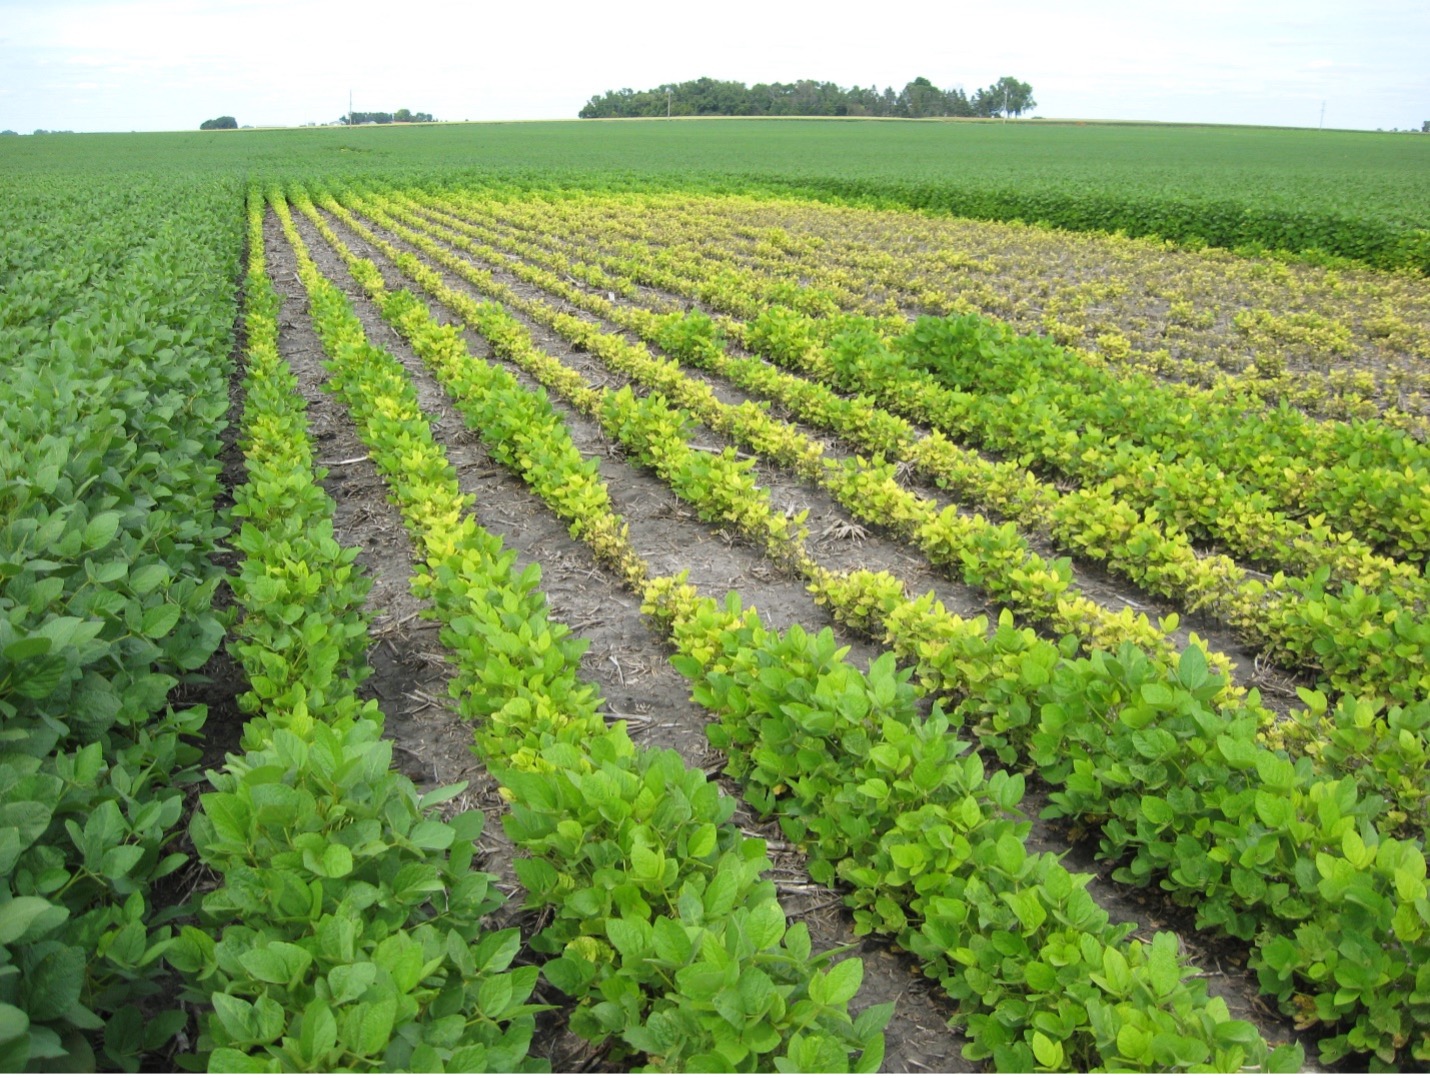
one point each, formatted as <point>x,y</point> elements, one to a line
<point>108,480</point>
<point>346,929</point>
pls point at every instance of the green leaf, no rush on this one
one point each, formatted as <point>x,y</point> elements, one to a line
<point>149,577</point>
<point>720,895</point>
<point>629,936</point>
<point>1162,965</point>
<point>337,861</point>
<point>1238,752</point>
<point>495,950</point>
<point>1354,848</point>
<point>1115,972</point>
<point>569,975</point>
<point>1275,771</point>
<point>232,1061</point>
<point>1237,1032</point>
<point>765,925</point>
<point>28,914</point>
<point>1028,909</point>
<point>119,860</point>
<point>37,678</point>
<point>441,795</point>
<point>268,964</point>
<point>909,856</point>
<point>101,530</point>
<point>160,620</point>
<point>319,1035</point>
<point>27,647</point>
<point>13,1022</point>
<point>233,1015</point>
<point>377,1030</point>
<point>797,941</point>
<point>1287,1059</point>
<point>1040,976</point>
<point>1048,1052</point>
<point>53,983</point>
<point>672,943</point>
<point>1192,668</point>
<point>646,864</point>
<point>842,982</point>
<point>702,981</point>
<point>1158,694</point>
<point>1157,810</point>
<point>1134,1045</point>
<point>45,1043</point>
<point>430,835</point>
<point>702,842</point>
<point>1274,810</point>
<point>539,878</point>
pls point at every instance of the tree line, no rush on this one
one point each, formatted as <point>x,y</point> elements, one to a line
<point>712,97</point>
<point>401,116</point>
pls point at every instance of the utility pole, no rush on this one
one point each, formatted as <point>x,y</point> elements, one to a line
<point>350,108</point>
<point>667,104</point>
<point>1321,126</point>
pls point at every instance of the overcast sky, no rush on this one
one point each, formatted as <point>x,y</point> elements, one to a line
<point>147,65</point>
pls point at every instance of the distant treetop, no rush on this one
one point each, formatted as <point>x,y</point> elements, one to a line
<point>222,123</point>
<point>711,97</point>
<point>401,116</point>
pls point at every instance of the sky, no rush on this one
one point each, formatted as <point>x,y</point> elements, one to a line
<point>156,65</point>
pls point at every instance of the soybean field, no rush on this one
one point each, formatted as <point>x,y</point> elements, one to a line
<point>715,596</point>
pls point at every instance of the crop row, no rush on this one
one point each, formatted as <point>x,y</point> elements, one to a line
<point>108,482</point>
<point>345,931</point>
<point>1279,453</point>
<point>1143,1011</point>
<point>750,295</point>
<point>1330,341</point>
<point>1396,740</point>
<point>1386,749</point>
<point>1366,636</point>
<point>1286,852</point>
<point>1400,740</point>
<point>631,851</point>
<point>1195,221</point>
<point>989,556</point>
<point>1347,641</point>
<point>1222,858</point>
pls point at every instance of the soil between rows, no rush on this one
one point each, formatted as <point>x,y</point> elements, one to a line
<point>625,659</point>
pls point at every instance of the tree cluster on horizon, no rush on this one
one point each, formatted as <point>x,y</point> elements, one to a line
<point>712,97</point>
<point>401,116</point>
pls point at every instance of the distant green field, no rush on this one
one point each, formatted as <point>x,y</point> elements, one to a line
<point>1361,195</point>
